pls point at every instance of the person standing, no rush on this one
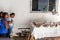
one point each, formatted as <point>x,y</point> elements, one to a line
<point>1,14</point>
<point>4,25</point>
<point>10,21</point>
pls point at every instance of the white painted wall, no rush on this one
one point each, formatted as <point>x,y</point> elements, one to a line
<point>4,5</point>
<point>23,16</point>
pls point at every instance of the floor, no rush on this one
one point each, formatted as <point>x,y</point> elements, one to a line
<point>50,38</point>
<point>6,39</point>
<point>54,38</point>
<point>19,38</point>
<point>12,39</point>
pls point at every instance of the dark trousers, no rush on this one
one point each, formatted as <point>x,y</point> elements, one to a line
<point>9,32</point>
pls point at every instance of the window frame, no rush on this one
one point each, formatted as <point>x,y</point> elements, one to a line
<point>42,11</point>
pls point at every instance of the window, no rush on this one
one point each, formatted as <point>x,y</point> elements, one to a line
<point>43,5</point>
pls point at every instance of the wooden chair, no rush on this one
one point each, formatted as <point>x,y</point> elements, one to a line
<point>29,37</point>
<point>32,38</point>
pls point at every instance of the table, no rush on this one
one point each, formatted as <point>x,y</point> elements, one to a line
<point>42,32</point>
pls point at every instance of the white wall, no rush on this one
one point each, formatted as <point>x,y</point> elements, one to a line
<point>23,16</point>
<point>4,5</point>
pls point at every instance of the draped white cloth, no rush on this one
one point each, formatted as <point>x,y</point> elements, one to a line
<point>41,32</point>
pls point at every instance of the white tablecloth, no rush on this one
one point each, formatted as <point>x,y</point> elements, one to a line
<point>41,32</point>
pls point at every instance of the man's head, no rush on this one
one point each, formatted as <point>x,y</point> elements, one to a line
<point>12,15</point>
<point>1,14</point>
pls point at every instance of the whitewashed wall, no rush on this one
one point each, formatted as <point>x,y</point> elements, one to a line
<point>23,16</point>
